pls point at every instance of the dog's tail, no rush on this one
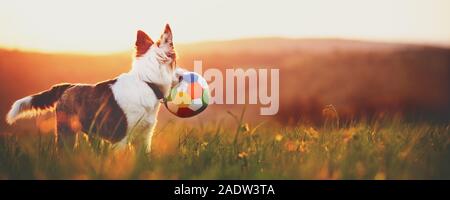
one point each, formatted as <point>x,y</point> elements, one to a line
<point>36,104</point>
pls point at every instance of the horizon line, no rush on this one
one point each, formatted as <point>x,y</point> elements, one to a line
<point>437,44</point>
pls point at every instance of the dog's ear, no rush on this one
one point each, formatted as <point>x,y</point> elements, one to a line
<point>166,36</point>
<point>143,43</point>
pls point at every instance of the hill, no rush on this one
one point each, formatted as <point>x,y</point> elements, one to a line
<point>361,79</point>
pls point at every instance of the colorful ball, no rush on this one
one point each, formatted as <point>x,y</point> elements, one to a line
<point>189,97</point>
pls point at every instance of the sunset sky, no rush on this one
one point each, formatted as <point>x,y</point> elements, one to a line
<point>109,26</point>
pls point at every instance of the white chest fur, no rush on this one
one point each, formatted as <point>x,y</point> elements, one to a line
<point>137,100</point>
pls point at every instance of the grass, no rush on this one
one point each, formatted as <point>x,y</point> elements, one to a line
<point>381,149</point>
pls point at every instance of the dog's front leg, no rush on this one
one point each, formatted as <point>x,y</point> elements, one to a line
<point>142,138</point>
<point>148,138</point>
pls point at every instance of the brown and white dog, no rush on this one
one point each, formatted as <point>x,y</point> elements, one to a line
<point>122,110</point>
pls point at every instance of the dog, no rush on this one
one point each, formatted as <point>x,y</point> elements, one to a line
<point>123,110</point>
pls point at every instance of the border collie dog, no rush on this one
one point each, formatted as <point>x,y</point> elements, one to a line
<point>122,110</point>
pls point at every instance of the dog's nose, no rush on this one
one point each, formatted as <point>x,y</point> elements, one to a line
<point>180,78</point>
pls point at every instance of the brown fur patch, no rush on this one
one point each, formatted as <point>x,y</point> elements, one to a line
<point>93,110</point>
<point>143,43</point>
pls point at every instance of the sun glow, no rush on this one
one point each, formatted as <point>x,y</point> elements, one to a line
<point>109,26</point>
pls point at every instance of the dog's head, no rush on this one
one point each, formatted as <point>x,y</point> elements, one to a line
<point>156,60</point>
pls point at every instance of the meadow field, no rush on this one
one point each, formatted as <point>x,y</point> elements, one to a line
<point>348,110</point>
<point>387,148</point>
